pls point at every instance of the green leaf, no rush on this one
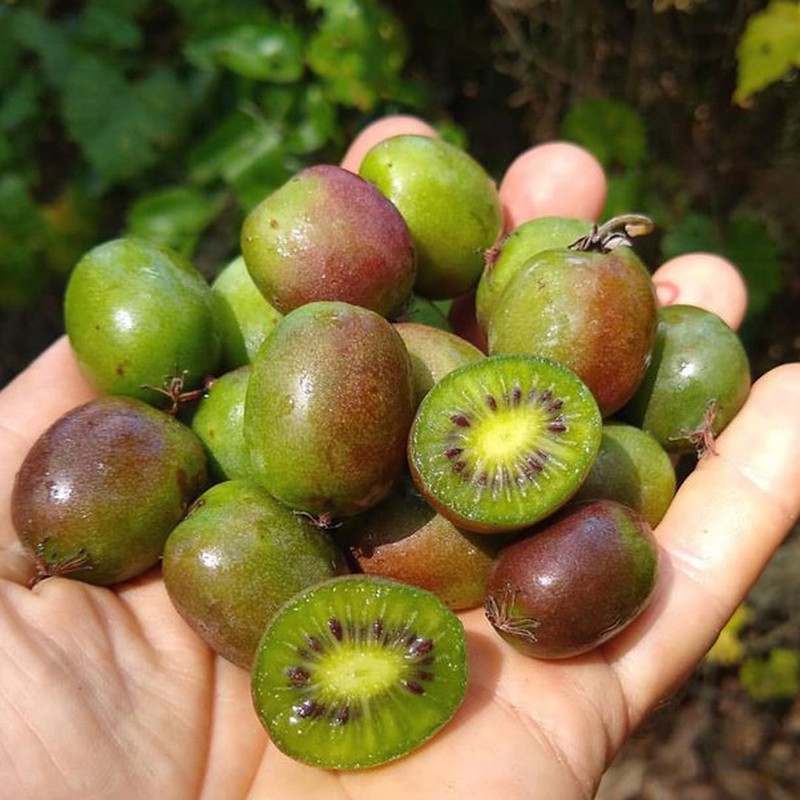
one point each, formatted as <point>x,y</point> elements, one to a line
<point>757,255</point>
<point>21,276</point>
<point>102,24</point>
<point>768,49</point>
<point>728,648</point>
<point>266,51</point>
<point>359,50</point>
<point>611,130</point>
<point>48,41</point>
<point>231,147</point>
<point>174,216</point>
<point>624,193</point>
<point>694,232</point>
<point>304,116</point>
<point>121,126</point>
<point>21,102</point>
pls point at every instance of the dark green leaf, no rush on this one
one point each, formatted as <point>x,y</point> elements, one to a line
<point>121,126</point>
<point>694,232</point>
<point>174,216</point>
<point>21,102</point>
<point>624,193</point>
<point>756,254</point>
<point>610,129</point>
<point>267,51</point>
<point>107,26</point>
<point>48,41</point>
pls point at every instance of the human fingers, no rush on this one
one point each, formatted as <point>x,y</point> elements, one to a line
<point>724,524</point>
<point>378,131</point>
<point>706,280</point>
<point>553,179</point>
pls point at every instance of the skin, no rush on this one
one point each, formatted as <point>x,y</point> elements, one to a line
<point>109,694</point>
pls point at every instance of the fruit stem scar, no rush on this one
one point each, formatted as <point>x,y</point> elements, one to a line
<point>616,232</point>
<point>500,616</point>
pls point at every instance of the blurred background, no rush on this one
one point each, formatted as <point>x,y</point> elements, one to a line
<point>172,119</point>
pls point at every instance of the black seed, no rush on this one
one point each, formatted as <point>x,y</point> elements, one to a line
<point>556,405</point>
<point>453,452</point>
<point>308,709</point>
<point>491,402</point>
<point>423,675</point>
<point>556,426</point>
<point>315,644</point>
<point>460,420</point>
<point>335,627</point>
<point>482,479</point>
<point>343,715</point>
<point>546,396</point>
<point>377,629</point>
<point>420,645</point>
<point>459,466</point>
<point>297,675</point>
<point>413,686</point>
<point>516,396</point>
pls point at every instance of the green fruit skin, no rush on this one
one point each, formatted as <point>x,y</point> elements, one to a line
<point>632,468</point>
<point>218,421</point>
<point>138,314</point>
<point>403,538</point>
<point>327,234</point>
<point>235,558</point>
<point>593,312</point>
<point>433,354</point>
<point>449,203</point>
<point>515,251</point>
<point>103,487</point>
<point>328,409</point>
<point>697,360</point>
<point>573,583</point>
<point>424,312</point>
<point>244,317</point>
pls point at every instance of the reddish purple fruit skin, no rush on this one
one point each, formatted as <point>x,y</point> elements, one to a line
<point>574,582</point>
<point>101,489</point>
<point>328,234</point>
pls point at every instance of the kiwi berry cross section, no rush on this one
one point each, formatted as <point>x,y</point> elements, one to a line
<point>501,443</point>
<point>357,671</point>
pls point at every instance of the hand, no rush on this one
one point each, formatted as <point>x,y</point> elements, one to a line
<point>107,693</point>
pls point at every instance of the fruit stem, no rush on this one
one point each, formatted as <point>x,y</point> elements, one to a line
<point>616,232</point>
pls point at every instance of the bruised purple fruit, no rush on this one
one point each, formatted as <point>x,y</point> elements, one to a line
<point>573,583</point>
<point>328,234</point>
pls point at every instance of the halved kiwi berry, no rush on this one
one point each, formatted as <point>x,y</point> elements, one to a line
<point>502,443</point>
<point>357,671</point>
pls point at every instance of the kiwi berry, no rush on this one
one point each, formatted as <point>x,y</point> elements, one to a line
<point>101,489</point>
<point>405,539</point>
<point>328,407</point>
<point>501,443</point>
<point>433,353</point>
<point>633,469</point>
<point>357,671</point>
<point>218,421</point>
<point>235,557</point>
<point>243,314</point>
<point>696,382</point>
<point>327,234</point>
<point>140,318</point>
<point>573,582</point>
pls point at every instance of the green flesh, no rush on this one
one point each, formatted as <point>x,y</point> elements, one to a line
<point>499,444</point>
<point>364,693</point>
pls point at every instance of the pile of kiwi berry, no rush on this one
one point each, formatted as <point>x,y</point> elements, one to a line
<point>328,468</point>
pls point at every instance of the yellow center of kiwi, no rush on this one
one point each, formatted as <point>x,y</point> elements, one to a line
<point>350,672</point>
<point>501,437</point>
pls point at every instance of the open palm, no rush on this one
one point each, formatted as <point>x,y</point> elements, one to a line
<point>107,693</point>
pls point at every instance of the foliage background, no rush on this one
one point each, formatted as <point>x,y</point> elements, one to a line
<point>171,119</point>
